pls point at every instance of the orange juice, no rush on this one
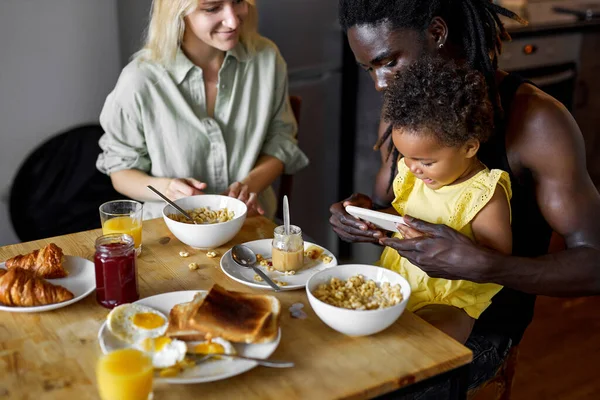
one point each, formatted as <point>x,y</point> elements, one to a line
<point>124,375</point>
<point>128,225</point>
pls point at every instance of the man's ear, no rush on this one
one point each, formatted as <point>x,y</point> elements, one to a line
<point>437,32</point>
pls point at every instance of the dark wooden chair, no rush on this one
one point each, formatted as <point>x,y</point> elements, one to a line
<point>286,181</point>
<point>500,386</point>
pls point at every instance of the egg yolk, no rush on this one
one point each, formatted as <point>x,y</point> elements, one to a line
<point>209,348</point>
<point>156,344</point>
<point>148,320</point>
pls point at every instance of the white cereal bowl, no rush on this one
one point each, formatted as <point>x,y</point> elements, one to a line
<point>357,322</point>
<point>206,236</point>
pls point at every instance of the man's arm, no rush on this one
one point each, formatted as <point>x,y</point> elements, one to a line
<point>553,150</point>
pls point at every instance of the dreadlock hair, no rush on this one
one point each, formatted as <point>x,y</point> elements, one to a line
<point>435,97</point>
<point>473,25</point>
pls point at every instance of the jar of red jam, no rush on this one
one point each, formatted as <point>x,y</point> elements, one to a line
<point>116,271</point>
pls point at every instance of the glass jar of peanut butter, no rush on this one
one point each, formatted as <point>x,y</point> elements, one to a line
<point>288,250</point>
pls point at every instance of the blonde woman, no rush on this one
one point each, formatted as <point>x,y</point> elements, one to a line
<point>202,108</point>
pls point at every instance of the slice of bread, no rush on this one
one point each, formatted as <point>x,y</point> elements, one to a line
<point>179,317</point>
<point>234,316</point>
<point>238,317</point>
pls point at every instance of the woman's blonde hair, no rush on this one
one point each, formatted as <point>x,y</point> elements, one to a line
<point>166,28</point>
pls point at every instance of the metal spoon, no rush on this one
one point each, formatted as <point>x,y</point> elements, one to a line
<point>245,257</point>
<point>198,358</point>
<point>286,215</point>
<point>175,206</point>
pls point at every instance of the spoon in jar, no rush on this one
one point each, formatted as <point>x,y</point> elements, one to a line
<point>175,206</point>
<point>286,215</point>
<point>245,257</point>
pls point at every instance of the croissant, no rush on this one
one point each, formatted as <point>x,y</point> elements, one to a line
<point>45,262</point>
<point>22,288</point>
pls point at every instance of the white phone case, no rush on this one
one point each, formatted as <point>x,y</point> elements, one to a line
<point>379,219</point>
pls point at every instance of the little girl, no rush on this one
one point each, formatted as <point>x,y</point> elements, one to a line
<point>440,114</point>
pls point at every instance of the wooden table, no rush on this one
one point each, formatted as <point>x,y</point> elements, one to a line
<point>52,355</point>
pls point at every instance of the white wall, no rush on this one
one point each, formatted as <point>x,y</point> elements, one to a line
<point>58,61</point>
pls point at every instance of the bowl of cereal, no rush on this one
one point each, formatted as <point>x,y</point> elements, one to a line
<point>218,219</point>
<point>356,299</point>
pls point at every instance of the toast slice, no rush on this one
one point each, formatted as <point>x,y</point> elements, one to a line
<point>237,317</point>
<point>179,317</point>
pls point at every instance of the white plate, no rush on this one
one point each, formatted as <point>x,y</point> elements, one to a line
<point>81,282</point>
<point>206,371</point>
<point>263,247</point>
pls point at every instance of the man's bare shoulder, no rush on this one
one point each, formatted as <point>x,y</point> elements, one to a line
<point>540,126</point>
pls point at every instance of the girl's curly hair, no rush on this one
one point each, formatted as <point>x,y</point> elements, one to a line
<point>441,98</point>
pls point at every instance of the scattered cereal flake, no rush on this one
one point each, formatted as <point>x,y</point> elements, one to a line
<point>259,257</point>
<point>280,283</point>
<point>211,254</point>
<point>264,263</point>
<point>193,266</point>
<point>183,254</point>
<point>257,278</point>
<point>327,259</point>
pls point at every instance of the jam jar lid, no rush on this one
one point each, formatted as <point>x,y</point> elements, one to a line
<point>114,243</point>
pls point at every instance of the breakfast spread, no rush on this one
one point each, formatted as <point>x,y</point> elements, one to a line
<point>209,324</point>
<point>356,293</point>
<point>288,249</point>
<point>284,261</point>
<point>44,263</point>
<point>204,215</point>
<point>23,288</point>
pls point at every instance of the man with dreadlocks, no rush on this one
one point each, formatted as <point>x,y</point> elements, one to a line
<point>535,140</point>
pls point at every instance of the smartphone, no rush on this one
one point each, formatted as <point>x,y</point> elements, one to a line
<point>379,219</point>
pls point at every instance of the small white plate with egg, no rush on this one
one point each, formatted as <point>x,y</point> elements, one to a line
<point>81,281</point>
<point>125,322</point>
<point>318,260</point>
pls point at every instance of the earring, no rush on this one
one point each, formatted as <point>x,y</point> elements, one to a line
<point>441,45</point>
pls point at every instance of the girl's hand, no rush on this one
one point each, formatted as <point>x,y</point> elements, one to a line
<point>408,232</point>
<point>441,251</point>
<point>240,191</point>
<point>184,187</point>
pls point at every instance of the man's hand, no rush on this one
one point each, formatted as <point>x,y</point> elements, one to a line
<point>439,250</point>
<point>240,191</point>
<point>350,229</point>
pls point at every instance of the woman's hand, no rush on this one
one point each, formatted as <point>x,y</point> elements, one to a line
<point>440,251</point>
<point>184,187</point>
<point>351,229</point>
<point>240,191</point>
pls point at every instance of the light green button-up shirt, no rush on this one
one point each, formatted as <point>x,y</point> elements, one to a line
<point>156,121</point>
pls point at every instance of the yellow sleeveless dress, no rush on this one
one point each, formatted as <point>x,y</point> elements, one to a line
<point>454,206</point>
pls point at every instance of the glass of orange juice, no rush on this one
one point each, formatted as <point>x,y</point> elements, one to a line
<point>123,216</point>
<point>125,374</point>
